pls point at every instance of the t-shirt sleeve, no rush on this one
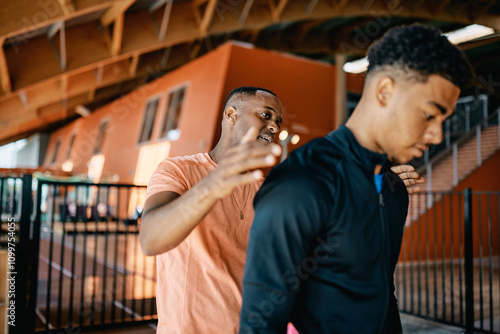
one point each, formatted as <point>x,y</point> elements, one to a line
<point>289,211</point>
<point>168,176</point>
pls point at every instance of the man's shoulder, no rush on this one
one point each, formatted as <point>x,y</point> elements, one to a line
<point>195,160</point>
<point>320,154</point>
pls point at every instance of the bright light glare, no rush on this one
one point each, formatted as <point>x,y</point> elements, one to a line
<point>283,135</point>
<point>356,66</point>
<point>295,139</point>
<point>468,33</point>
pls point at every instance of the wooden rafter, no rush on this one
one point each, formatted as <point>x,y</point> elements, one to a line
<point>134,62</point>
<point>207,17</point>
<point>116,14</point>
<point>311,6</point>
<point>276,12</point>
<point>246,11</point>
<point>114,11</point>
<point>4,70</point>
<point>67,6</point>
<point>116,42</point>
<point>165,19</point>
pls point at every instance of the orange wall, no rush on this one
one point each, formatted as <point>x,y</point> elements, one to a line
<point>421,236</point>
<point>204,78</point>
<point>354,82</point>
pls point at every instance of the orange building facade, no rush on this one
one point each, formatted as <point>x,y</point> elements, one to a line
<point>180,113</point>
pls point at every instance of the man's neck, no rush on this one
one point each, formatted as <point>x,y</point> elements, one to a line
<point>362,126</point>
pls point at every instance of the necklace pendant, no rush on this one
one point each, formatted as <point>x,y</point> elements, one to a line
<point>241,216</point>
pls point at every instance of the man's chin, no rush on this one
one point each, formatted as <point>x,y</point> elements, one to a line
<point>400,160</point>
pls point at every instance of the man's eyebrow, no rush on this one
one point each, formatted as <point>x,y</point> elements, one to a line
<point>440,107</point>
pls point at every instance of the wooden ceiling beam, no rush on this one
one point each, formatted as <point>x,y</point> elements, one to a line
<point>114,11</point>
<point>116,42</point>
<point>276,12</point>
<point>20,17</point>
<point>207,17</point>
<point>67,6</point>
<point>89,54</point>
<point>4,70</point>
<point>116,15</point>
<point>311,6</point>
<point>165,20</point>
<point>246,11</point>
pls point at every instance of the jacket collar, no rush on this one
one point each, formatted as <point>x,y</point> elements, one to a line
<point>344,139</point>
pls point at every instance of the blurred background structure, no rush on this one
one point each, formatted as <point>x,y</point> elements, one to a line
<point>94,93</point>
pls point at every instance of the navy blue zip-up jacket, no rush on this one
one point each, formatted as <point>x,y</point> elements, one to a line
<point>324,244</point>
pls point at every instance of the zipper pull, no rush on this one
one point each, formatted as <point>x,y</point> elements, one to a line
<point>381,200</point>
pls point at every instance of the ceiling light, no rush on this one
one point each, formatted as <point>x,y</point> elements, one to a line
<point>468,33</point>
<point>356,66</point>
<point>82,111</point>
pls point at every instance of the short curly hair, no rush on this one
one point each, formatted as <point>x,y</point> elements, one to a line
<point>420,51</point>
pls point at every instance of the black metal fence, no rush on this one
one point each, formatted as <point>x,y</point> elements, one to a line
<point>80,266</point>
<point>449,263</point>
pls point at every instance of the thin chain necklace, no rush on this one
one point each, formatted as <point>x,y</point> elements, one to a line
<point>242,216</point>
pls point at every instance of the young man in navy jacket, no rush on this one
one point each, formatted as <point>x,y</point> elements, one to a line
<point>328,222</point>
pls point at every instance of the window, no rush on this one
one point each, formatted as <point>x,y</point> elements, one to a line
<point>169,128</point>
<point>100,137</point>
<point>149,120</point>
<point>71,141</point>
<point>56,149</point>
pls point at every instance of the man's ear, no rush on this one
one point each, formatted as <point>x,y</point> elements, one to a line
<point>384,90</point>
<point>230,114</point>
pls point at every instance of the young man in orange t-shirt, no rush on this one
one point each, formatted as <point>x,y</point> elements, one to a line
<point>198,213</point>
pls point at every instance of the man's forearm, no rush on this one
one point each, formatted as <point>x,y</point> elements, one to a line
<point>163,228</point>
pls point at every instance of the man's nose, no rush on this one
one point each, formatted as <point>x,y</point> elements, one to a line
<point>273,126</point>
<point>435,134</point>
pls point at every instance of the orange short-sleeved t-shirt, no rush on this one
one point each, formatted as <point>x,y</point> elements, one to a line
<point>199,283</point>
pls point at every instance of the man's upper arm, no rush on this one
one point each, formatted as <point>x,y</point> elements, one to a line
<point>158,200</point>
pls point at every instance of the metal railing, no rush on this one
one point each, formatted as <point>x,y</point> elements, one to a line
<point>476,131</point>
<point>84,266</point>
<point>449,261</point>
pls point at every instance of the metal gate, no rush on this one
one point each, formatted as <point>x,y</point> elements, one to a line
<point>84,269</point>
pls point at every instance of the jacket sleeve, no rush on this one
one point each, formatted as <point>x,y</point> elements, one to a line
<point>289,210</point>
<point>393,318</point>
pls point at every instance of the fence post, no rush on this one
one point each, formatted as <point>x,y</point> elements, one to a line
<point>22,259</point>
<point>469,270</point>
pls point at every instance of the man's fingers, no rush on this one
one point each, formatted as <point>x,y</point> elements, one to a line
<point>256,149</point>
<point>402,168</point>
<point>241,179</point>
<point>409,175</point>
<point>413,190</point>
<point>412,181</point>
<point>251,135</point>
<point>250,164</point>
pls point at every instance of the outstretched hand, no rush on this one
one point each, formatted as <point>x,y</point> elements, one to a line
<point>240,164</point>
<point>409,176</point>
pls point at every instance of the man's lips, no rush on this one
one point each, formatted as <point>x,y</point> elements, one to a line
<point>266,137</point>
<point>420,149</point>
